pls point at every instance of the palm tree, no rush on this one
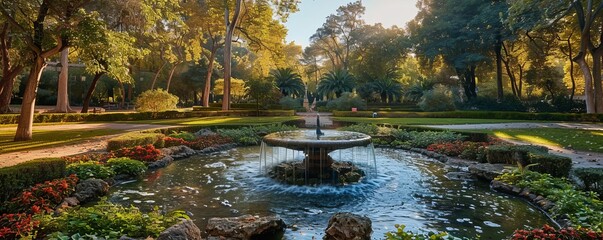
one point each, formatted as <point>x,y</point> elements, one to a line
<point>387,88</point>
<point>335,82</point>
<point>288,82</point>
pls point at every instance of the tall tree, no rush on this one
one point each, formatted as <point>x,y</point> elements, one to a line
<point>12,65</point>
<point>445,29</point>
<point>283,7</point>
<point>43,26</point>
<point>335,37</point>
<point>531,15</point>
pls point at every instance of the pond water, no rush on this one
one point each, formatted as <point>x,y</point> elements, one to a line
<point>408,189</point>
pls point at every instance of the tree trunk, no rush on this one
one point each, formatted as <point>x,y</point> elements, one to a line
<point>157,75</point>
<point>598,89</point>
<point>86,104</point>
<point>230,27</point>
<point>122,92</point>
<point>210,70</point>
<point>499,80</point>
<point>169,81</point>
<point>24,127</point>
<point>63,91</point>
<point>588,83</point>
<point>8,82</point>
<point>9,72</point>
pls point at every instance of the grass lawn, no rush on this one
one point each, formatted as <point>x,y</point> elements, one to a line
<point>424,121</point>
<point>218,120</point>
<point>48,138</point>
<point>582,140</point>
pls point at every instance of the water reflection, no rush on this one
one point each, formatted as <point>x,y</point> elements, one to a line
<point>408,189</point>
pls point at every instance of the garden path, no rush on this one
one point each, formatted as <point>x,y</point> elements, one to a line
<point>88,145</point>
<point>581,159</point>
<point>310,118</point>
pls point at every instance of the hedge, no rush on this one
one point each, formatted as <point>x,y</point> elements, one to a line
<point>14,179</point>
<point>134,116</point>
<point>134,139</point>
<point>511,154</point>
<point>557,166</point>
<point>578,117</point>
<point>592,179</point>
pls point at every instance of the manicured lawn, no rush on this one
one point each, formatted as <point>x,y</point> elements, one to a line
<point>48,138</point>
<point>582,140</point>
<point>424,121</point>
<point>213,121</point>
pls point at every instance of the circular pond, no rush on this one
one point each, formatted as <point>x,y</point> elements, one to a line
<point>408,189</point>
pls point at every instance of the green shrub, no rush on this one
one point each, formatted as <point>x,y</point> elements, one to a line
<point>290,103</point>
<point>592,179</point>
<point>402,234</point>
<point>157,100</point>
<point>245,136</point>
<point>134,139</point>
<point>423,139</point>
<point>347,101</point>
<point>511,154</point>
<point>370,129</point>
<point>248,136</point>
<point>127,166</point>
<point>187,136</point>
<point>438,99</point>
<point>14,179</point>
<point>87,170</point>
<point>557,166</point>
<point>109,221</point>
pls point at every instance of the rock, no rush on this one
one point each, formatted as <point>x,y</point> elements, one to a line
<point>205,132</point>
<point>348,226</point>
<point>186,230</point>
<point>90,190</point>
<point>178,151</point>
<point>486,171</point>
<point>245,227</point>
<point>525,193</point>
<point>161,163</point>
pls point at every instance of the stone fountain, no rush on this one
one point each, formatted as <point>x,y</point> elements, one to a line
<point>306,156</point>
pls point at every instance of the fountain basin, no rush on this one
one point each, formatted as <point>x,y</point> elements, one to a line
<point>318,166</point>
<point>304,139</point>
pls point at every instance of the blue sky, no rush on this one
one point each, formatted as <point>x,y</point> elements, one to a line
<point>312,14</point>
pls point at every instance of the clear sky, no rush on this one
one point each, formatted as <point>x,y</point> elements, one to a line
<point>312,14</point>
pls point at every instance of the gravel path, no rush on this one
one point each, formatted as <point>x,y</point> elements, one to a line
<point>89,145</point>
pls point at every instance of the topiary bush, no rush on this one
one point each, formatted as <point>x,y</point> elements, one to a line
<point>134,139</point>
<point>592,179</point>
<point>127,166</point>
<point>157,100</point>
<point>557,166</point>
<point>437,100</point>
<point>14,179</point>
<point>88,170</point>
